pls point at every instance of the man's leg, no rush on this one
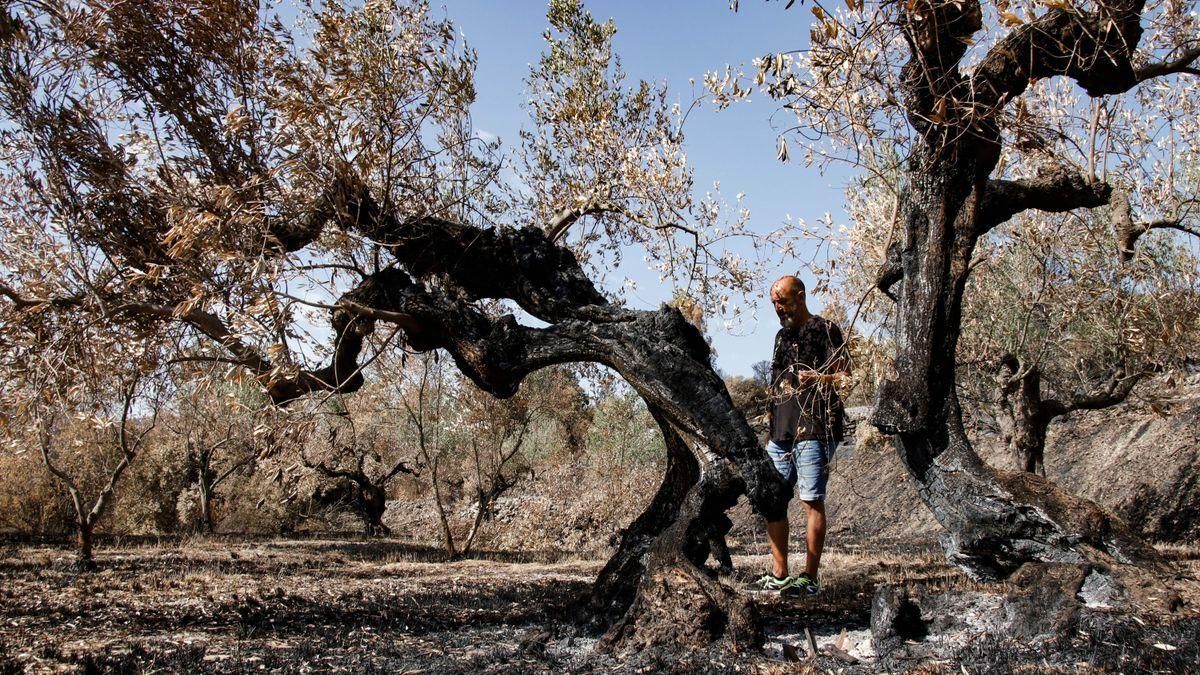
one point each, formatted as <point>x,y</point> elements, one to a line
<point>812,468</point>
<point>777,535</point>
<point>814,536</point>
<point>778,531</point>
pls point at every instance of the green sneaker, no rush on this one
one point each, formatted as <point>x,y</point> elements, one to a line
<point>784,586</point>
<point>805,584</point>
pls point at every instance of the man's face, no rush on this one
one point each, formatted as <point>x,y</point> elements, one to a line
<point>788,300</point>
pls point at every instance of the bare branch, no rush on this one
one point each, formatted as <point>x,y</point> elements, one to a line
<point>562,222</point>
<point>1183,64</point>
<point>401,467</point>
<point>1056,192</point>
<point>1128,232</point>
<point>128,452</point>
<point>1116,389</point>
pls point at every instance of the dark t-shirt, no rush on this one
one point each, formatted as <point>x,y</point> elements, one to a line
<point>812,411</point>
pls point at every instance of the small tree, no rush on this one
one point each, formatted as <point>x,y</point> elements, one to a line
<point>504,435</point>
<point>1056,323</point>
<point>359,461</point>
<point>213,422</point>
<point>105,435</point>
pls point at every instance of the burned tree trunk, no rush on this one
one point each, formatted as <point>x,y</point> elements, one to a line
<point>677,601</point>
<point>206,507</point>
<point>624,574</point>
<point>372,504</point>
<point>995,521</point>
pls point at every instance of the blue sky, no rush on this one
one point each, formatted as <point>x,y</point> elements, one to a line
<point>673,41</point>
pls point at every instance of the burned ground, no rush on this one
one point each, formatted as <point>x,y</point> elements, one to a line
<point>234,605</point>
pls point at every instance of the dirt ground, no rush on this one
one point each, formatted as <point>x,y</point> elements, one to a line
<point>213,605</point>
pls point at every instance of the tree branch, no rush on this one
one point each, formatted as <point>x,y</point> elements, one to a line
<point>230,471</point>
<point>1055,192</point>
<point>1118,388</point>
<point>558,226</point>
<point>128,452</point>
<point>523,265</point>
<point>1183,64</point>
<point>25,302</point>
<point>891,272</point>
<point>1128,232</point>
<point>401,467</point>
<point>1093,48</point>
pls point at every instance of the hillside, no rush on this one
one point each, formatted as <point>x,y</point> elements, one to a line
<point>1137,459</point>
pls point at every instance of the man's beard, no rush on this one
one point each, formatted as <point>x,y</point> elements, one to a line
<point>789,322</point>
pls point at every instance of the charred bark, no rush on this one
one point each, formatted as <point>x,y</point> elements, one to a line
<point>619,581</point>
<point>995,521</point>
<point>891,272</point>
<point>657,583</point>
<point>372,505</point>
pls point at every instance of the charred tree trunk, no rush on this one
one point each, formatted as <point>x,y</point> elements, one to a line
<point>995,521</point>
<point>617,583</point>
<point>373,504</point>
<point>656,587</point>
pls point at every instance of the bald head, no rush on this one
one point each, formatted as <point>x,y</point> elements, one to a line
<point>787,295</point>
<point>787,284</point>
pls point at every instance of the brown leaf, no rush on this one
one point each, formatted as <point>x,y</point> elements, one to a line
<point>1010,19</point>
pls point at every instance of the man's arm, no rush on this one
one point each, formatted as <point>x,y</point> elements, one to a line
<point>837,366</point>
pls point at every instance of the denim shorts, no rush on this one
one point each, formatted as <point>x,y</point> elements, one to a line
<point>803,464</point>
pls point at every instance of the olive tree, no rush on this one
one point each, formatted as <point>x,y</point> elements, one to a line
<point>946,89</point>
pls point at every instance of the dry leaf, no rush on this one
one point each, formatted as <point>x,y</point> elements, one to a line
<point>1010,19</point>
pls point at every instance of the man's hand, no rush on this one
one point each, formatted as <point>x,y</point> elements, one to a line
<point>810,377</point>
<point>807,377</point>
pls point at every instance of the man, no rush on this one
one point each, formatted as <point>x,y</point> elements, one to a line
<point>810,359</point>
